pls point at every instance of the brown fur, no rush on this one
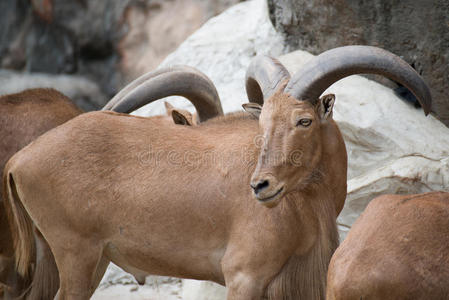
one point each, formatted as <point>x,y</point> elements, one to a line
<point>302,276</point>
<point>181,116</point>
<point>45,281</point>
<point>107,186</point>
<point>23,117</point>
<point>397,249</point>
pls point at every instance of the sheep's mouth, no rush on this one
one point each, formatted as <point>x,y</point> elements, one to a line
<point>272,197</point>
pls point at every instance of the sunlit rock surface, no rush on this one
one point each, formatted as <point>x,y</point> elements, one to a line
<point>222,49</point>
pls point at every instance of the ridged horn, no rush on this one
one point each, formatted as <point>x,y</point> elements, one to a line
<point>263,78</point>
<point>182,81</point>
<point>330,66</point>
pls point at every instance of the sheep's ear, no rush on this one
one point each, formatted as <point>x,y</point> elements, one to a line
<point>326,106</point>
<point>182,118</point>
<point>253,108</point>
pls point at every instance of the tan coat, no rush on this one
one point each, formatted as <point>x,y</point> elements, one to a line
<point>397,249</point>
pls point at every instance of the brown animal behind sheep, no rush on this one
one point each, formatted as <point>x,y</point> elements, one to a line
<point>397,249</point>
<point>23,117</point>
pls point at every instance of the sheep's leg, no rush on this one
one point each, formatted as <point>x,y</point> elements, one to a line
<point>6,267</point>
<point>101,269</point>
<point>244,287</point>
<point>79,267</point>
<point>248,270</point>
<point>11,284</point>
<point>242,280</point>
<point>6,249</point>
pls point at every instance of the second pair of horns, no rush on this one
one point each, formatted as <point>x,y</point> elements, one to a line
<point>265,74</point>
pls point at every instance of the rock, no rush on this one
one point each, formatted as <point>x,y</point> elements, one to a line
<point>157,28</point>
<point>202,290</point>
<point>63,37</point>
<point>50,49</point>
<point>417,30</point>
<point>84,93</point>
<point>222,49</point>
<point>13,14</point>
<point>117,284</point>
<point>104,41</point>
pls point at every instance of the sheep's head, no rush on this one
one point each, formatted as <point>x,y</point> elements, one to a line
<point>290,143</point>
<point>292,120</point>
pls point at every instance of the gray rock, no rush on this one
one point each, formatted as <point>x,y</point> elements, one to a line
<point>103,40</point>
<point>417,30</point>
<point>156,28</point>
<point>50,49</point>
<point>63,37</point>
<point>85,93</point>
<point>13,14</point>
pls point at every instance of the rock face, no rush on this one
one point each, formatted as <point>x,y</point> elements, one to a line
<point>417,30</point>
<point>156,28</point>
<point>62,37</point>
<point>106,42</point>
<point>222,49</point>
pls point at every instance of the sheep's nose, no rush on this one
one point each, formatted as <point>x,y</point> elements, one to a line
<point>260,185</point>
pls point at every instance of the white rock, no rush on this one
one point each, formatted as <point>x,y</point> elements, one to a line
<point>223,48</point>
<point>202,290</point>
<point>117,284</point>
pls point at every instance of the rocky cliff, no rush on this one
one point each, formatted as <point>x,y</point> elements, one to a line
<point>106,42</point>
<point>416,30</point>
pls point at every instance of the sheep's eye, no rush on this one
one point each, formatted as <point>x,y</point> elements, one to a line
<point>304,122</point>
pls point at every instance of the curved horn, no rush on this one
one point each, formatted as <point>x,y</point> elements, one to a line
<point>333,65</point>
<point>263,78</point>
<point>133,84</point>
<point>182,81</point>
